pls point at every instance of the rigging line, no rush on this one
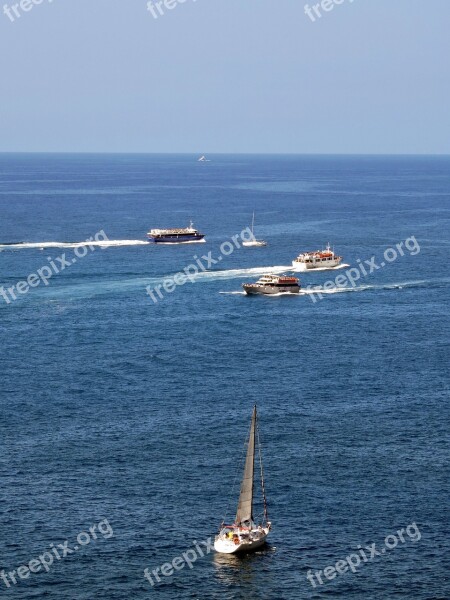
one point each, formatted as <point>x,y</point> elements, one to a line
<point>246,441</point>
<point>266,516</point>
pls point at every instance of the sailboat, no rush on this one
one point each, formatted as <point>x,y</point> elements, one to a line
<point>254,242</point>
<point>244,535</point>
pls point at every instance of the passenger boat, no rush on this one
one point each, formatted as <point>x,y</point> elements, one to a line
<point>273,284</point>
<point>244,535</point>
<point>176,236</point>
<point>320,259</point>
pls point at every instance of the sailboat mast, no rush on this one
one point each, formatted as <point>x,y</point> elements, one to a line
<point>253,223</point>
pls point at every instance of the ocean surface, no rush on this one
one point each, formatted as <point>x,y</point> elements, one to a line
<point>131,415</point>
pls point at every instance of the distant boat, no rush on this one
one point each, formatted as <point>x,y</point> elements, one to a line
<point>254,243</point>
<point>244,535</point>
<point>176,236</point>
<point>320,259</point>
<point>203,159</point>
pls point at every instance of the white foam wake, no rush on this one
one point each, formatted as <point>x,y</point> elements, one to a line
<point>233,293</point>
<point>281,294</point>
<point>315,291</point>
<point>336,290</point>
<point>99,244</point>
<point>367,287</point>
<point>277,269</point>
<point>303,269</point>
<point>234,273</point>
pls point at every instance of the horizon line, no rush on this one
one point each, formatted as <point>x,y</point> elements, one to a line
<point>131,153</point>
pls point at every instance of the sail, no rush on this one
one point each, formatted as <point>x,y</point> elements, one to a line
<point>245,505</point>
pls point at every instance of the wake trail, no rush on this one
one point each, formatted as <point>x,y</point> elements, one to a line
<point>98,244</point>
<point>235,273</point>
<point>303,269</point>
<point>317,290</point>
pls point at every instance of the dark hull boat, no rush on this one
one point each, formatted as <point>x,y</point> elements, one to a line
<point>176,236</point>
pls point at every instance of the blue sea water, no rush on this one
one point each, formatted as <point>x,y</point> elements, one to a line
<point>114,407</point>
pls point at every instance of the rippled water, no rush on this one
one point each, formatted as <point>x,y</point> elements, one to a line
<point>117,408</point>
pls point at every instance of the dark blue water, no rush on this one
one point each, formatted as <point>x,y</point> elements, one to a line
<point>116,408</point>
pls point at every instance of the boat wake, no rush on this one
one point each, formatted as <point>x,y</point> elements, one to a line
<point>235,273</point>
<point>280,294</point>
<point>233,293</point>
<point>364,288</point>
<point>131,285</point>
<point>303,269</point>
<point>341,290</point>
<point>98,244</point>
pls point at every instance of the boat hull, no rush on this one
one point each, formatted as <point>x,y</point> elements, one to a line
<point>255,244</point>
<point>176,239</point>
<point>253,289</point>
<point>229,547</point>
<point>324,264</point>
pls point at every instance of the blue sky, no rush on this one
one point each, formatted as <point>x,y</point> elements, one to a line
<point>370,76</point>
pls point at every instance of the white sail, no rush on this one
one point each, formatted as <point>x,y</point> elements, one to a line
<point>245,504</point>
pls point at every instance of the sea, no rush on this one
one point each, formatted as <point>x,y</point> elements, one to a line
<point>124,416</point>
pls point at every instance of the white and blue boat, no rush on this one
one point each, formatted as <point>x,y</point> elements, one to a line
<point>176,236</point>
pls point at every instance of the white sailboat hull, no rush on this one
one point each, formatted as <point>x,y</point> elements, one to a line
<point>230,547</point>
<point>255,244</point>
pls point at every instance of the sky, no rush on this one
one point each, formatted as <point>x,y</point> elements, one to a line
<point>226,76</point>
